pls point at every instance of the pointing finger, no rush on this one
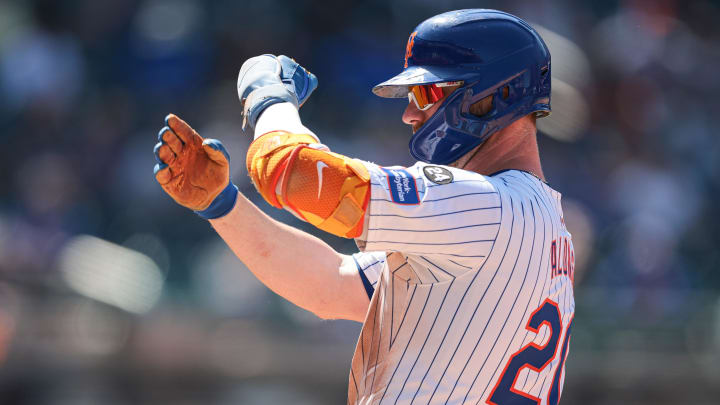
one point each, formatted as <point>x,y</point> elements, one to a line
<point>182,130</point>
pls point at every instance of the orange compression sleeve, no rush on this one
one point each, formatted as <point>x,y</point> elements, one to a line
<point>329,190</point>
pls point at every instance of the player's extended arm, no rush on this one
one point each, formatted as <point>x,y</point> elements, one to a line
<point>286,162</point>
<point>294,264</point>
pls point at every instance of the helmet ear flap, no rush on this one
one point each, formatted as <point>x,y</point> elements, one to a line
<point>488,105</point>
<point>483,107</point>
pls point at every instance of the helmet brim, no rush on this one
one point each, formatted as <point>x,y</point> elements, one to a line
<point>398,85</point>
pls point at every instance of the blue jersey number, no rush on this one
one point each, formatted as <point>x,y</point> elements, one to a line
<point>534,357</point>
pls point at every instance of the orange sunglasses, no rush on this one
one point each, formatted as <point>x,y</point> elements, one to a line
<point>425,95</point>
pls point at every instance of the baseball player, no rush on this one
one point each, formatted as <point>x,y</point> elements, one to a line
<point>464,277</point>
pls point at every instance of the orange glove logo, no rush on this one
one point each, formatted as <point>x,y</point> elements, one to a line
<point>193,171</point>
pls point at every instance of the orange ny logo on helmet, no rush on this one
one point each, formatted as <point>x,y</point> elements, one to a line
<point>408,49</point>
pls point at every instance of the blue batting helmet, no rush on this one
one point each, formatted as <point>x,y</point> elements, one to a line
<point>492,53</point>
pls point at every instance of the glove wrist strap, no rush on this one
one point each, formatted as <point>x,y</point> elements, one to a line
<point>261,98</point>
<point>222,204</point>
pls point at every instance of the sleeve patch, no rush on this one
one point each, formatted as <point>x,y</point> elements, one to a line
<point>438,175</point>
<point>402,185</point>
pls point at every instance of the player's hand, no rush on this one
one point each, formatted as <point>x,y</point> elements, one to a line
<point>194,171</point>
<point>266,79</point>
<point>297,79</point>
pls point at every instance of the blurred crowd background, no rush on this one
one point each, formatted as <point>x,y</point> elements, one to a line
<point>110,293</point>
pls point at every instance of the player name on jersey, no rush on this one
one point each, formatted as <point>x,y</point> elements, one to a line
<point>562,258</point>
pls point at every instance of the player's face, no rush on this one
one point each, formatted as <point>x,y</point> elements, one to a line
<point>415,117</point>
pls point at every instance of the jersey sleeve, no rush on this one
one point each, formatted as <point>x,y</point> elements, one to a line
<point>370,266</point>
<point>431,210</point>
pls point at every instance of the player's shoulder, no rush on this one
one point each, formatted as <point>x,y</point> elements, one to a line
<point>433,175</point>
<point>505,181</point>
<point>423,181</point>
<point>524,185</point>
<point>517,183</point>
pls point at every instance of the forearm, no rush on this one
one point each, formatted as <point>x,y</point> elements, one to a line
<point>280,117</point>
<point>296,265</point>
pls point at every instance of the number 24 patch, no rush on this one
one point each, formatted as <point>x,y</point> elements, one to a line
<point>438,175</point>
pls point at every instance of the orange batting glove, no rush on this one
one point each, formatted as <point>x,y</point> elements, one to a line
<point>193,171</point>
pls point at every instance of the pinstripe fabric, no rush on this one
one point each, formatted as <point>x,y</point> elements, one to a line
<point>455,279</point>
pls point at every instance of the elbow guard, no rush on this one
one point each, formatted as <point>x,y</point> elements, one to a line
<point>328,190</point>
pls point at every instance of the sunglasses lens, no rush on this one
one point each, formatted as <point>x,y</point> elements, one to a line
<point>420,96</point>
<point>435,93</point>
<point>425,95</point>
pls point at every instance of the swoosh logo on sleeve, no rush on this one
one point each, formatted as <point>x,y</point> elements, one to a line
<point>320,166</point>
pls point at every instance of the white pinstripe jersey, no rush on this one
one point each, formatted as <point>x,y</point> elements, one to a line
<point>471,289</point>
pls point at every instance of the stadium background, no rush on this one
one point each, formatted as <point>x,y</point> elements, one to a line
<point>110,293</point>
